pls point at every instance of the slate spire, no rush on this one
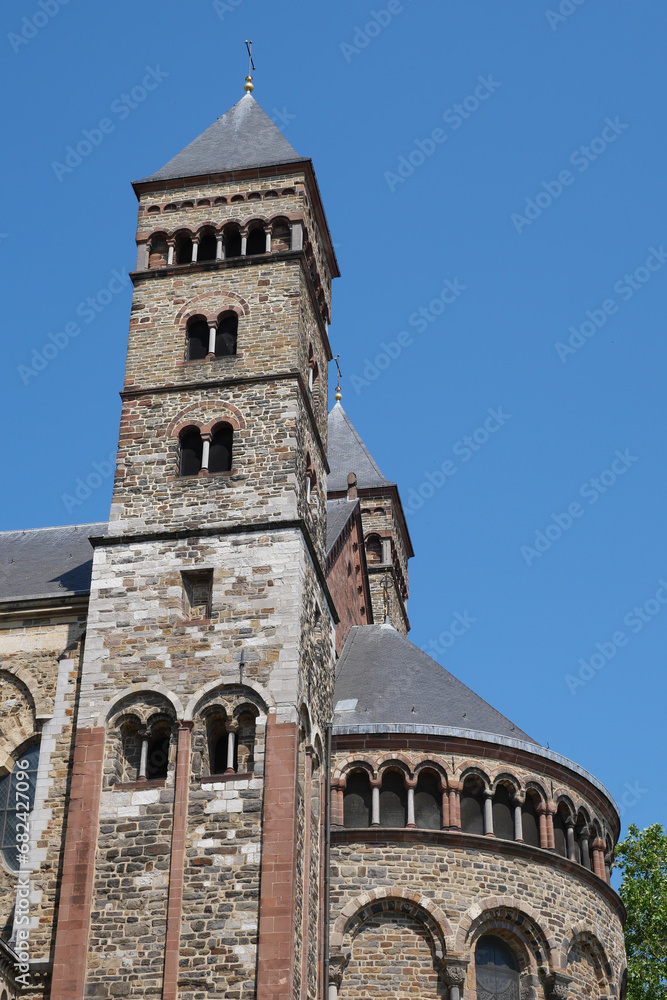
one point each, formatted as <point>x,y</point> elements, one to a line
<point>243,138</point>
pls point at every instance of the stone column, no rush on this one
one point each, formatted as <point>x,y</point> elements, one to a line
<point>488,813</point>
<point>550,828</point>
<point>268,239</point>
<point>571,845</point>
<point>336,965</point>
<point>337,801</point>
<point>206,449</point>
<point>212,333</point>
<point>195,251</point>
<point>547,841</point>
<point>231,746</point>
<point>244,244</point>
<point>455,805</point>
<point>598,859</point>
<point>584,839</point>
<point>445,805</point>
<point>518,801</point>
<point>172,249</point>
<point>455,974</point>
<point>219,246</point>
<point>375,791</point>
<point>411,784</point>
<point>143,761</point>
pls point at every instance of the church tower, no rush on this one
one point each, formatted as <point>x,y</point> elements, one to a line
<point>193,857</point>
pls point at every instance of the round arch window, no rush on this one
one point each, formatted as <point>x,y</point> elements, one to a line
<point>17,795</point>
<point>496,970</point>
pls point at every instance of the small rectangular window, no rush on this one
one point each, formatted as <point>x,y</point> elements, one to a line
<point>197,593</point>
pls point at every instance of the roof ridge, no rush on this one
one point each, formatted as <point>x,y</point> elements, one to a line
<point>52,527</point>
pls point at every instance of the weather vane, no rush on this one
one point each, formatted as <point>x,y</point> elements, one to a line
<point>249,86</point>
<point>338,395</point>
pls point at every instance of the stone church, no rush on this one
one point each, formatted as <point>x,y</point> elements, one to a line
<point>225,770</point>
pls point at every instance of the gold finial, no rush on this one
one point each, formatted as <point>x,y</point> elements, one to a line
<point>249,86</point>
<point>338,395</point>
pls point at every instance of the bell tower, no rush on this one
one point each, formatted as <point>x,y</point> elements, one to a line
<point>196,798</point>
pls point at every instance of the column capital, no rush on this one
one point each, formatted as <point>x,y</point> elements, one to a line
<point>375,782</point>
<point>410,782</point>
<point>519,799</point>
<point>558,986</point>
<point>185,724</point>
<point>455,971</point>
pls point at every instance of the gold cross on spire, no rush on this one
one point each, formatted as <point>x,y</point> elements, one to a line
<point>249,85</point>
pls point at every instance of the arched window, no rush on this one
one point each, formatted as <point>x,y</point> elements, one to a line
<point>157,761</point>
<point>428,802</point>
<point>191,452</point>
<point>159,251</point>
<point>17,795</point>
<point>245,742</point>
<point>357,800</point>
<point>256,242</point>
<point>281,237</point>
<point>472,806</point>
<point>393,800</point>
<point>232,242</point>
<point>198,339</point>
<point>503,814</point>
<point>183,250</point>
<point>207,247</point>
<point>220,453</point>
<point>496,970</point>
<point>226,335</point>
<point>530,821</point>
<point>560,834</point>
<point>374,549</point>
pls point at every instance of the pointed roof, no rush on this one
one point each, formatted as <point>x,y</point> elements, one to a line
<point>243,137</point>
<point>384,679</point>
<point>348,453</point>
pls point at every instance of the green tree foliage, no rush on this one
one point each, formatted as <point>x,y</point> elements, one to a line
<point>642,858</point>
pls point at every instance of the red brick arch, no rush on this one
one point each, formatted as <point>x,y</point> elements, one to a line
<point>224,413</point>
<point>211,304</point>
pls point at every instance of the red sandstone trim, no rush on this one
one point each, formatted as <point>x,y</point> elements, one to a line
<point>275,959</point>
<point>76,890</point>
<point>175,900</point>
<point>305,888</point>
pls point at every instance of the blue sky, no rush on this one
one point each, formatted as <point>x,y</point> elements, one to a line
<point>515,153</point>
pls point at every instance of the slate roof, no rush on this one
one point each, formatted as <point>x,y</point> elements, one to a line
<point>47,562</point>
<point>383,678</point>
<point>243,137</point>
<point>348,453</point>
<point>339,513</point>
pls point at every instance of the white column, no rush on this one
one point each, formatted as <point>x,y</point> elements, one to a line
<point>219,246</point>
<point>204,464</point>
<point>268,241</point>
<point>195,251</point>
<point>488,814</point>
<point>333,991</point>
<point>230,751</point>
<point>143,762</point>
<point>244,245</point>
<point>170,256</point>
<point>411,807</point>
<point>211,339</point>
<point>518,822</point>
<point>375,801</point>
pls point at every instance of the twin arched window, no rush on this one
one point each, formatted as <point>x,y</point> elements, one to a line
<point>17,795</point>
<point>212,453</point>
<point>212,340</point>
